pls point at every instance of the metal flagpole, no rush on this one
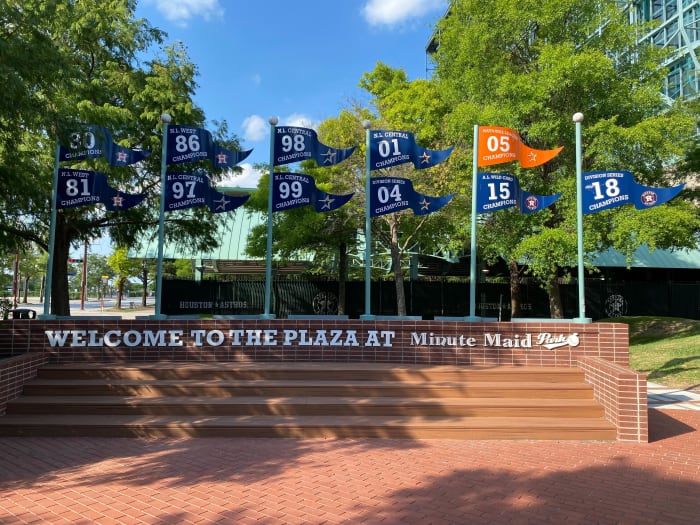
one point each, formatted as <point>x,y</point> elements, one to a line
<point>368,225</point>
<point>268,258</point>
<point>165,119</point>
<point>578,118</point>
<point>52,237</point>
<point>472,252</point>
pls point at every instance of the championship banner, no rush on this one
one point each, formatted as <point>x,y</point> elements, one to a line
<point>293,190</point>
<point>497,191</point>
<point>608,189</point>
<point>391,148</point>
<point>190,144</point>
<point>95,142</point>
<point>83,188</point>
<point>184,190</point>
<point>498,145</point>
<point>294,144</point>
<point>392,194</point>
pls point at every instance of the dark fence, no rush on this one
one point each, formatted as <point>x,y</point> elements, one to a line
<point>427,298</point>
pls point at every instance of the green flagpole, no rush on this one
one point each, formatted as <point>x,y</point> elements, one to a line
<point>368,225</point>
<point>472,252</point>
<point>52,237</point>
<point>268,257</point>
<point>578,118</point>
<point>165,119</point>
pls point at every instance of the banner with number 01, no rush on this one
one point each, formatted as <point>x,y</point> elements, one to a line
<point>391,148</point>
<point>608,189</point>
<point>498,145</point>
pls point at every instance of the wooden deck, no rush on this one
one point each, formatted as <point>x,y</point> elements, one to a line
<point>307,400</point>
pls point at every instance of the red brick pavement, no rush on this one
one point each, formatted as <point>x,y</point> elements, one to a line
<point>273,481</point>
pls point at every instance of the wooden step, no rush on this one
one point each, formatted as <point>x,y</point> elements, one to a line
<point>310,427</point>
<point>289,406</point>
<point>341,400</point>
<point>316,388</point>
<point>221,371</point>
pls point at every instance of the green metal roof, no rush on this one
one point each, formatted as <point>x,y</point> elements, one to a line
<point>233,235</point>
<point>643,258</point>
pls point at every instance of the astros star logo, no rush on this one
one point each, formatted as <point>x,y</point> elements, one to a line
<point>330,156</point>
<point>327,201</point>
<point>222,203</point>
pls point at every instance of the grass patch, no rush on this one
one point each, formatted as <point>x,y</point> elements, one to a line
<point>666,349</point>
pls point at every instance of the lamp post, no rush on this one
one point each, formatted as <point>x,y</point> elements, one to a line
<point>368,225</point>
<point>165,120</point>
<point>267,314</point>
<point>578,119</point>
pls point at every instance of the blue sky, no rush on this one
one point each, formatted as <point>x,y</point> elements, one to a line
<point>300,61</point>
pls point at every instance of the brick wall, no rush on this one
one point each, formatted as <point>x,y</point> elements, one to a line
<point>15,372</point>
<point>397,341</point>
<point>623,393</point>
<point>601,349</point>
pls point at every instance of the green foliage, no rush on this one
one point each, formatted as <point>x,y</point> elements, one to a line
<point>532,73</point>
<point>90,61</point>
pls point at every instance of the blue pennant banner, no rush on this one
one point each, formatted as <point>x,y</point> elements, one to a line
<point>392,194</point>
<point>292,190</point>
<point>391,148</point>
<point>83,188</point>
<point>497,191</point>
<point>608,189</point>
<point>294,144</point>
<point>189,144</point>
<point>185,190</point>
<point>96,142</point>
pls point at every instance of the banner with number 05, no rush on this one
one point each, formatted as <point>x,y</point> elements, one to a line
<point>498,145</point>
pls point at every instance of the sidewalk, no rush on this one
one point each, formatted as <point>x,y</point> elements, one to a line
<point>287,481</point>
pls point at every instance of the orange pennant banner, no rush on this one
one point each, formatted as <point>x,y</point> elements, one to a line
<point>498,145</point>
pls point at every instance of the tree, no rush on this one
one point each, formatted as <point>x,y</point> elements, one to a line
<point>102,69</point>
<point>326,237</point>
<point>416,107</point>
<point>532,73</point>
<point>124,268</point>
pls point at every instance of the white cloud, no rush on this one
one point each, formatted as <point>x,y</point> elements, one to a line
<point>255,128</point>
<point>393,12</point>
<point>249,178</point>
<point>298,119</point>
<point>182,11</point>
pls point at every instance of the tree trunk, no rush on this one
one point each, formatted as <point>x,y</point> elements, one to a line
<point>396,267</point>
<point>515,299</point>
<point>60,296</point>
<point>120,292</point>
<point>554,291</point>
<point>144,279</point>
<point>342,276</point>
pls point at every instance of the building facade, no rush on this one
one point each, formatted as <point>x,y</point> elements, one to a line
<point>676,27</point>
